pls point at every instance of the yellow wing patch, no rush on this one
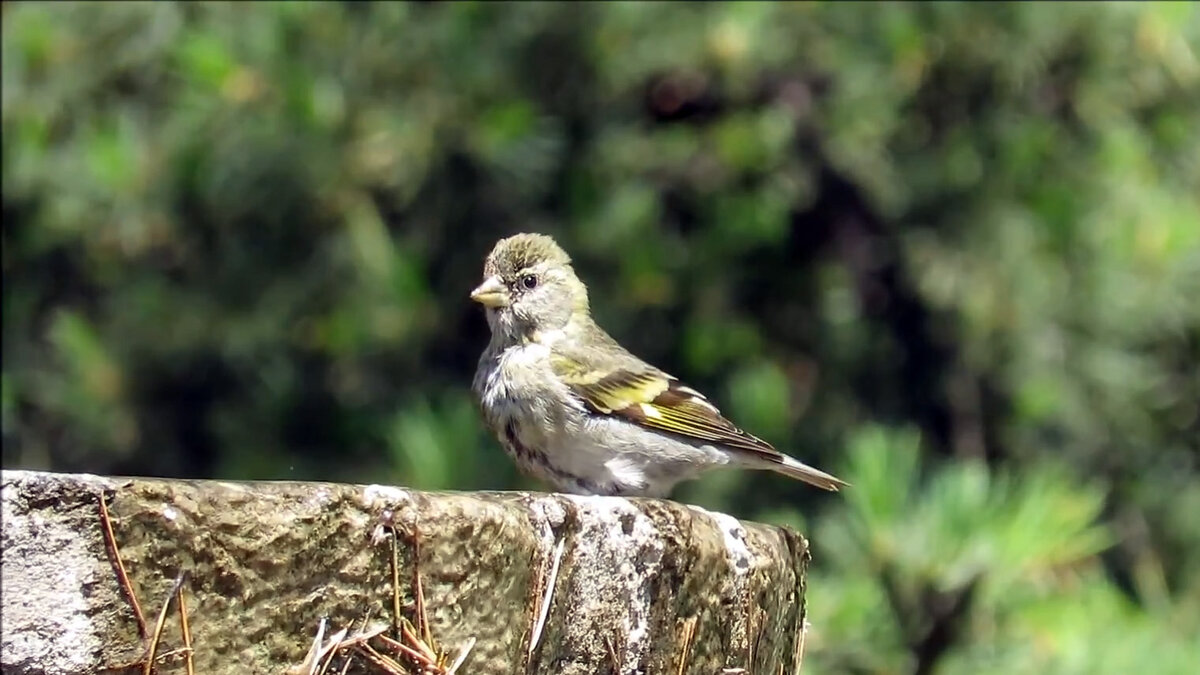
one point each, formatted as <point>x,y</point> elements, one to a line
<point>658,401</point>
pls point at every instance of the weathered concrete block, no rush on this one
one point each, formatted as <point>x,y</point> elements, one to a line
<point>267,561</point>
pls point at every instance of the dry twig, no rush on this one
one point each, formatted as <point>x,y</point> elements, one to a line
<point>185,629</point>
<point>799,660</point>
<point>110,540</point>
<point>756,625</point>
<point>612,655</point>
<point>395,584</point>
<point>539,623</point>
<point>462,657</point>
<point>689,632</point>
<point>149,642</point>
<point>162,620</point>
<point>409,650</point>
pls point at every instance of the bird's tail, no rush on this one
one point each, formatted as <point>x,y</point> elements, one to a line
<point>794,468</point>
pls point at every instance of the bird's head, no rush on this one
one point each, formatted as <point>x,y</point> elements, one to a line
<point>529,286</point>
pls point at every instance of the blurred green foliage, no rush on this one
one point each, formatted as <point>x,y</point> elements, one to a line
<point>950,252</point>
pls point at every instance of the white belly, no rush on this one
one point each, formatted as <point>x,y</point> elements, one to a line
<point>551,435</point>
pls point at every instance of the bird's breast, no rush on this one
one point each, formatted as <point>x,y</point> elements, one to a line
<point>518,382</point>
<point>533,414</point>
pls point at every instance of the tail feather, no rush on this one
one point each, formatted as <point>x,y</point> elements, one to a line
<point>794,468</point>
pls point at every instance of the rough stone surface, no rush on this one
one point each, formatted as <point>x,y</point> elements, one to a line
<point>267,561</point>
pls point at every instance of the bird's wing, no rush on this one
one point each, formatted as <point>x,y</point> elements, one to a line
<point>619,385</point>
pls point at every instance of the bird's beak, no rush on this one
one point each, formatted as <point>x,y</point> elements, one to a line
<point>491,293</point>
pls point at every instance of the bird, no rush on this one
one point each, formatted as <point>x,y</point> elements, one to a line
<point>574,408</point>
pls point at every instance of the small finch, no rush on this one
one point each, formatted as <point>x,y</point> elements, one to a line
<point>576,409</point>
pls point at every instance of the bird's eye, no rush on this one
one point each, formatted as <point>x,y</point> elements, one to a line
<point>529,281</point>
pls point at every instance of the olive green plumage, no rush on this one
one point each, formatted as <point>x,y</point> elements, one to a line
<point>575,408</point>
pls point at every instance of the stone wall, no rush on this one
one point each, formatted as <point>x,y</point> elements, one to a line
<point>510,582</point>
